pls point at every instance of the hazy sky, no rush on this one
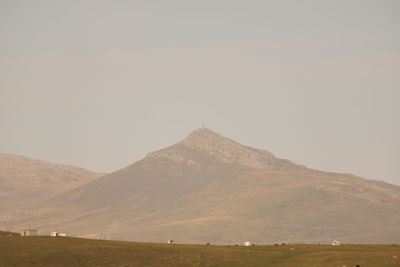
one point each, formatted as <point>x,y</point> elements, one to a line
<point>101,83</point>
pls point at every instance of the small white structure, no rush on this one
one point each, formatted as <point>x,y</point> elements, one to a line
<point>62,234</point>
<point>247,244</point>
<point>28,232</point>
<point>170,241</point>
<point>54,234</point>
<point>335,243</point>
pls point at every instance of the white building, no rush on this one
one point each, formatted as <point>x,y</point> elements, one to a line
<point>28,232</point>
<point>170,241</point>
<point>247,244</point>
<point>335,243</point>
<point>54,234</point>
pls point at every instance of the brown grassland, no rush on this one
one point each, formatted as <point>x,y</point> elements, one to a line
<point>68,251</point>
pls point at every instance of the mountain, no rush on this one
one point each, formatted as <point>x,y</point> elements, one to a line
<point>208,188</point>
<point>25,181</point>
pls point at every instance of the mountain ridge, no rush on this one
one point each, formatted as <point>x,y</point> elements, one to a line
<point>25,181</point>
<point>208,188</point>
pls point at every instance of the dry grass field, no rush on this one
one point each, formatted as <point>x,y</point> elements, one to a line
<point>67,251</point>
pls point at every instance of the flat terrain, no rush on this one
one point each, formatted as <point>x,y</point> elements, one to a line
<point>67,251</point>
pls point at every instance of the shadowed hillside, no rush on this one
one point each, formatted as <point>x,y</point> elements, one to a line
<point>208,188</point>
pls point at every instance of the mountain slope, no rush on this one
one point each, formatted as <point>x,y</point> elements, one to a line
<point>208,188</point>
<point>25,181</point>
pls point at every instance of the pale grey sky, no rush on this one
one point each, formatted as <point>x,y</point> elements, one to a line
<point>101,83</point>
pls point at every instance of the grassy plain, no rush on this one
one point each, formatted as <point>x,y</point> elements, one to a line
<point>68,251</point>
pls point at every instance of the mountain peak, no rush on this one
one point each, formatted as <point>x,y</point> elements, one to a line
<point>204,142</point>
<point>204,132</point>
<point>202,135</point>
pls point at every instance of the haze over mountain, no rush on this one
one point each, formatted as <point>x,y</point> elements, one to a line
<point>208,188</point>
<point>25,181</point>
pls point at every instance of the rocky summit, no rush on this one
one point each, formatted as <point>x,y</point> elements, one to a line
<point>220,149</point>
<point>208,188</point>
